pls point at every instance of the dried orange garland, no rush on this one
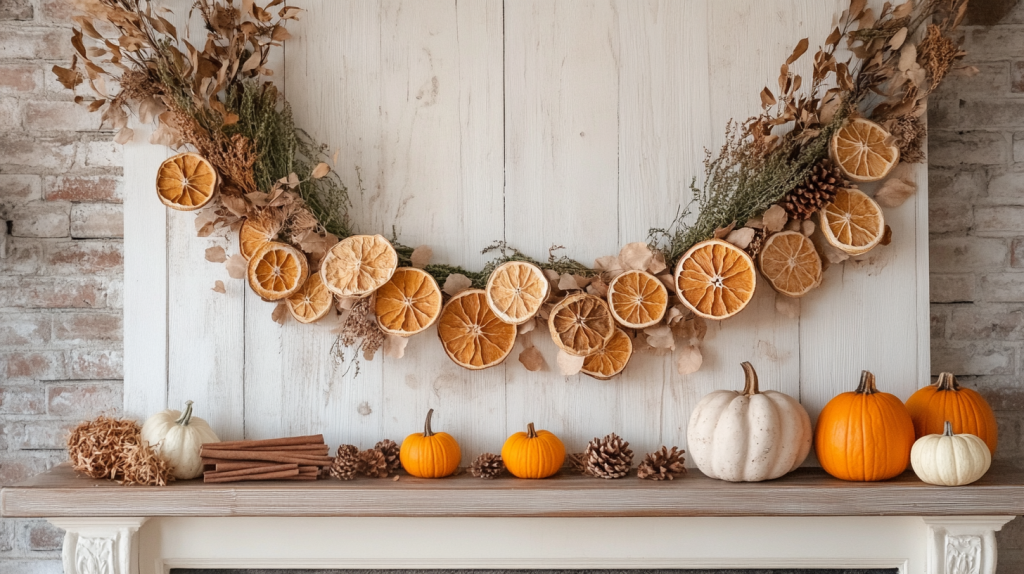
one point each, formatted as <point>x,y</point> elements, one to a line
<point>779,200</point>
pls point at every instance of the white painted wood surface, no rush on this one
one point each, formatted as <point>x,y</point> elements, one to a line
<point>537,122</point>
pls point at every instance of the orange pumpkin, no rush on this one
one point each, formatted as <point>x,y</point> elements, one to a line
<point>533,454</point>
<point>429,454</point>
<point>865,435</point>
<point>930,407</point>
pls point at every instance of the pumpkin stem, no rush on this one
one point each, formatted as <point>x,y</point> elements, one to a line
<point>426,425</point>
<point>867,384</point>
<point>947,382</point>
<point>948,430</point>
<point>530,432</point>
<point>750,383</point>
<point>186,416</point>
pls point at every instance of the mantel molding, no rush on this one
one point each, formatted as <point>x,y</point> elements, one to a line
<point>963,544</point>
<point>100,545</point>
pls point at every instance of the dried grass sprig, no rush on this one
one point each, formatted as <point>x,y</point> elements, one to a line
<point>113,448</point>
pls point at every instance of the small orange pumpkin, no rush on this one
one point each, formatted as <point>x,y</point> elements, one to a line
<point>533,454</point>
<point>429,454</point>
<point>865,435</point>
<point>930,407</point>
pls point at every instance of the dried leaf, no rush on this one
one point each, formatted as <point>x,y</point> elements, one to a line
<point>767,99</point>
<point>905,9</point>
<point>741,237</point>
<point>755,223</point>
<point>598,288</point>
<point>908,57</point>
<point>569,365</point>
<point>124,135</point>
<point>894,192</point>
<point>886,236</point>
<point>898,38</point>
<point>657,265</point>
<point>216,254</point>
<point>609,265</point>
<point>775,219</point>
<point>457,283</point>
<point>567,282</point>
<point>533,360</point>
<point>236,266</point>
<point>807,228</point>
<point>660,337</point>
<point>788,306</point>
<point>834,37</point>
<point>421,256</point>
<point>218,286</point>
<point>280,314</point>
<point>236,205</point>
<point>394,346</point>
<point>689,360</point>
<point>801,47</point>
<point>635,255</point>
<point>69,78</point>
<point>321,170</point>
<point>722,232</point>
<point>528,326</point>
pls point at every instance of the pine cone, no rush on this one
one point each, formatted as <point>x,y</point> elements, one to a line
<point>816,191</point>
<point>576,462</point>
<point>373,464</point>
<point>390,450</point>
<point>346,462</point>
<point>754,248</point>
<point>487,465</point>
<point>609,457</point>
<point>662,464</point>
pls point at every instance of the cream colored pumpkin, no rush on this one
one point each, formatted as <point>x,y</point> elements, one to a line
<point>748,436</point>
<point>178,437</point>
<point>950,460</point>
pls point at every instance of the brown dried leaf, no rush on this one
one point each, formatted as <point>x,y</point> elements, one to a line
<point>456,283</point>
<point>767,99</point>
<point>689,360</point>
<point>421,256</point>
<point>908,57</point>
<point>236,266</point>
<point>236,205</point>
<point>69,78</point>
<point>218,286</point>
<point>569,365</point>
<point>394,346</point>
<point>886,236</point>
<point>905,9</point>
<point>657,265</point>
<point>775,218</point>
<point>894,192</point>
<point>722,232</point>
<point>635,255</point>
<point>807,228</point>
<point>280,314</point>
<point>609,265</point>
<point>124,135</point>
<point>533,360</point>
<point>321,170</point>
<point>755,223</point>
<point>898,38</point>
<point>660,337</point>
<point>528,326</point>
<point>598,288</point>
<point>567,282</point>
<point>834,37</point>
<point>216,254</point>
<point>801,47</point>
<point>741,237</point>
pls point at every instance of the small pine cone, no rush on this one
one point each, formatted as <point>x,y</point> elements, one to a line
<point>576,462</point>
<point>346,462</point>
<point>817,190</point>
<point>373,464</point>
<point>390,450</point>
<point>662,464</point>
<point>487,465</point>
<point>754,248</point>
<point>609,457</point>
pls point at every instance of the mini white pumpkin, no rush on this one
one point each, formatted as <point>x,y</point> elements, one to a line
<point>949,459</point>
<point>178,436</point>
<point>748,436</point>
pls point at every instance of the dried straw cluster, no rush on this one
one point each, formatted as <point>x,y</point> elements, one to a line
<point>114,449</point>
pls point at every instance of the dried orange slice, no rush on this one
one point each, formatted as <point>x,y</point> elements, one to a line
<point>862,150</point>
<point>356,266</point>
<point>853,222</point>
<point>637,299</point>
<point>471,334</point>
<point>581,324</point>
<point>611,359</point>
<point>408,303</point>
<point>516,290</point>
<point>312,301</point>
<point>790,263</point>
<point>256,233</point>
<point>715,279</point>
<point>186,182</point>
<point>277,271</point>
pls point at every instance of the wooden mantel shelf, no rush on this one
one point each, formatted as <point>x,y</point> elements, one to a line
<point>806,492</point>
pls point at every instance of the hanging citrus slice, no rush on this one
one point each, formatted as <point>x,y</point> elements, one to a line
<point>356,266</point>
<point>256,233</point>
<point>853,222</point>
<point>581,324</point>
<point>408,303</point>
<point>790,263</point>
<point>862,150</point>
<point>637,299</point>
<point>715,279</point>
<point>186,182</point>
<point>277,271</point>
<point>516,290</point>
<point>471,334</point>
<point>611,359</point>
<point>312,301</point>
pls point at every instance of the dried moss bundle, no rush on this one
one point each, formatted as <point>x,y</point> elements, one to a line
<point>113,448</point>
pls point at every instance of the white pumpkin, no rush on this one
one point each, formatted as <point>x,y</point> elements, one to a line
<point>177,437</point>
<point>950,460</point>
<point>748,436</point>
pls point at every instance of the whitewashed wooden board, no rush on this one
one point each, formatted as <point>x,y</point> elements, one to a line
<point>540,123</point>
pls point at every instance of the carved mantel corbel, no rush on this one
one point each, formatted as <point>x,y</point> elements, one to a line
<point>100,545</point>
<point>963,544</point>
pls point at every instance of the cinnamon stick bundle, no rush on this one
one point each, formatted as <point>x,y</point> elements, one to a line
<point>291,458</point>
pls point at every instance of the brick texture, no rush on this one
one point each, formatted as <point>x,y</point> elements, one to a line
<point>976,222</point>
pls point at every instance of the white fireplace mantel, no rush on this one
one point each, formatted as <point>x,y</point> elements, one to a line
<point>804,520</point>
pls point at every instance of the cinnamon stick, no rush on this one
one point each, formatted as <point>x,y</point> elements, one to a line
<point>265,476</point>
<point>234,455</point>
<point>300,477</point>
<point>291,441</point>
<point>254,470</point>
<point>238,465</point>
<point>298,448</point>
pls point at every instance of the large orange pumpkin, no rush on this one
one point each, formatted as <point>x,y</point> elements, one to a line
<point>533,454</point>
<point>865,435</point>
<point>430,454</point>
<point>930,407</point>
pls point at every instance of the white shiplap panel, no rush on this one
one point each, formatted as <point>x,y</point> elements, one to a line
<point>441,63</point>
